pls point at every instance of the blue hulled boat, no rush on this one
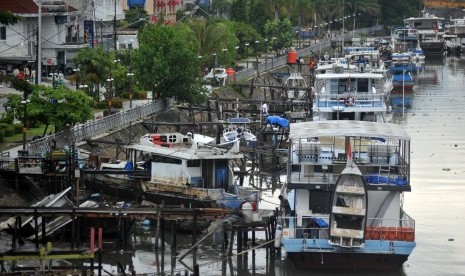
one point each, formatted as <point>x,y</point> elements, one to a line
<point>345,185</point>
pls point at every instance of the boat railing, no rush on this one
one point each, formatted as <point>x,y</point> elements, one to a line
<point>317,227</point>
<point>361,99</point>
<point>374,174</point>
<point>311,227</point>
<point>402,229</point>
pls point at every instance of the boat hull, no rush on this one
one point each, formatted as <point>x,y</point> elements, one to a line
<point>399,89</point>
<point>399,101</point>
<point>319,254</point>
<point>432,47</point>
<point>188,202</point>
<point>126,189</point>
<point>347,261</point>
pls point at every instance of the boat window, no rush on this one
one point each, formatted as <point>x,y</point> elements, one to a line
<point>193,163</point>
<point>362,85</point>
<point>172,138</point>
<point>163,159</point>
<point>320,202</point>
<point>341,89</point>
<point>296,168</point>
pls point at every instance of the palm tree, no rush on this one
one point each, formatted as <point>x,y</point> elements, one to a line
<point>222,7</point>
<point>212,37</point>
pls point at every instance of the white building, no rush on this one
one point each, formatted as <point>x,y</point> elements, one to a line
<point>67,26</point>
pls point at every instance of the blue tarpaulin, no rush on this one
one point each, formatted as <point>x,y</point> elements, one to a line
<point>129,166</point>
<point>276,120</point>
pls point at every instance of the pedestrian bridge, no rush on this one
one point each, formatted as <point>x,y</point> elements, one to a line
<point>97,127</point>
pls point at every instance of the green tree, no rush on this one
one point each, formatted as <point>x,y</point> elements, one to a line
<point>281,34</point>
<point>239,11</point>
<point>212,36</point>
<point>7,18</point>
<point>167,63</point>
<point>60,106</point>
<point>245,34</point>
<point>258,16</point>
<point>395,11</point>
<point>222,7</point>
<point>135,18</point>
<point>94,68</point>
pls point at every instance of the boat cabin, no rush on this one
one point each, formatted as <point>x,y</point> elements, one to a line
<point>181,161</point>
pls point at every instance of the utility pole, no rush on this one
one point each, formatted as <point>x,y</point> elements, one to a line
<point>114,28</point>
<point>39,45</point>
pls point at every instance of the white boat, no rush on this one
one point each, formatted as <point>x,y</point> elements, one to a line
<point>349,208</point>
<point>217,77</point>
<point>457,27</point>
<point>356,89</point>
<point>237,130</point>
<point>296,86</point>
<point>417,55</point>
<point>191,173</point>
<point>348,215</point>
<point>453,44</point>
<point>430,31</point>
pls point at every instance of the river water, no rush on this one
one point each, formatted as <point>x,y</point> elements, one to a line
<point>436,124</point>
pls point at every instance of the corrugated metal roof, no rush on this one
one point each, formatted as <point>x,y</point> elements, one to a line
<point>347,128</point>
<point>188,153</point>
<point>30,7</point>
<point>21,6</point>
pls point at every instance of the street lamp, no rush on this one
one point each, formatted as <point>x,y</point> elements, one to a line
<point>54,79</point>
<point>216,60</point>
<point>130,75</point>
<point>214,82</point>
<point>273,39</point>
<point>110,94</point>
<point>246,53</point>
<point>266,53</point>
<point>77,78</point>
<point>237,57</point>
<point>256,54</point>
<point>25,123</point>
<point>83,87</point>
<point>224,56</point>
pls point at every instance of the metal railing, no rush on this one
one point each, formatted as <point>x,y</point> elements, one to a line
<point>272,63</point>
<point>97,127</point>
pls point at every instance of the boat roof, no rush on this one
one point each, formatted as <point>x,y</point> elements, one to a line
<point>425,18</point>
<point>347,128</point>
<point>239,120</point>
<point>352,75</point>
<point>191,152</point>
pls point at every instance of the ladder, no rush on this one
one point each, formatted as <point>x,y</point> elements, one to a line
<point>384,170</point>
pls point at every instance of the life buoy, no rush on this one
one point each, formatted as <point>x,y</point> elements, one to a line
<point>349,101</point>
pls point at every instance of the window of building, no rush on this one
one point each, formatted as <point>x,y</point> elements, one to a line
<point>2,33</point>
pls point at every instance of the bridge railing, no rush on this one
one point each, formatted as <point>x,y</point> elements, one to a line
<point>97,127</point>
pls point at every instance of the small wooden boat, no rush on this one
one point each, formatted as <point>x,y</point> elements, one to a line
<point>349,208</point>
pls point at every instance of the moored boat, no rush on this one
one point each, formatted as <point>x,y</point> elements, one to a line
<point>191,173</point>
<point>430,32</point>
<point>356,89</point>
<point>348,216</point>
<point>237,130</point>
<point>296,86</point>
<point>349,208</point>
<point>403,83</point>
